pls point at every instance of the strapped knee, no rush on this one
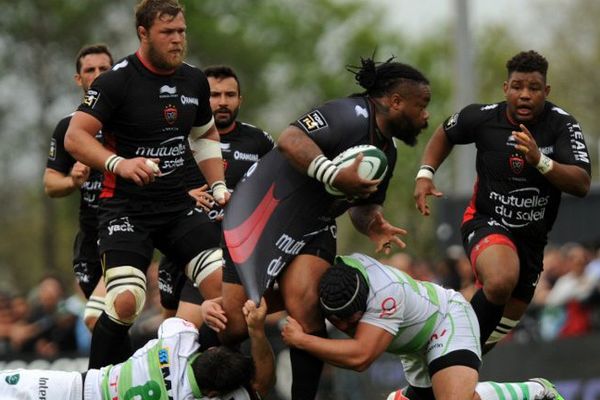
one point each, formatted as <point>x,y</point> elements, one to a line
<point>120,280</point>
<point>204,264</point>
<point>93,307</point>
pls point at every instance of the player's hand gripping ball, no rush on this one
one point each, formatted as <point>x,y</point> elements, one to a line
<point>373,165</point>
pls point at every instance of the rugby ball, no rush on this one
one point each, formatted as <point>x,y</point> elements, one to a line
<point>373,165</point>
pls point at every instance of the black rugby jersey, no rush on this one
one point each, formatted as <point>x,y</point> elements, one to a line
<point>508,189</point>
<point>149,115</point>
<point>340,124</point>
<point>241,148</point>
<point>61,160</point>
<point>334,126</point>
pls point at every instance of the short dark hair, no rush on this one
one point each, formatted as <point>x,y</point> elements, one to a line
<point>381,78</point>
<point>147,10</point>
<point>222,72</point>
<point>222,369</point>
<point>527,61</point>
<point>343,291</point>
<point>98,48</point>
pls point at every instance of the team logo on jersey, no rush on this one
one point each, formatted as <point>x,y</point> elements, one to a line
<point>13,379</point>
<point>312,121</point>
<point>52,151</point>
<point>516,163</point>
<point>170,114</point>
<point>451,121</point>
<point>91,98</point>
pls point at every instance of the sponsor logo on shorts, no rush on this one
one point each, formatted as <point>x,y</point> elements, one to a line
<point>91,98</point>
<point>13,379</point>
<point>120,225</point>
<point>312,121</point>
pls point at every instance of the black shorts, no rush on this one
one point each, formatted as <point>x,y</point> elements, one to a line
<point>321,243</point>
<point>175,286</point>
<point>86,260</point>
<point>128,234</point>
<point>530,252</point>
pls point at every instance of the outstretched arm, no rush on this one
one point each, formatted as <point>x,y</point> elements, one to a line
<point>261,350</point>
<point>368,220</point>
<point>437,150</point>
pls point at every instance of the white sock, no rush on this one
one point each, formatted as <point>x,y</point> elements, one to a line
<point>508,391</point>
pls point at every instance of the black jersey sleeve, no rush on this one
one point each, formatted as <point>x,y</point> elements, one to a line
<point>204,114</point>
<point>266,144</point>
<point>461,127</point>
<point>59,159</point>
<point>105,94</point>
<point>335,125</point>
<point>570,146</point>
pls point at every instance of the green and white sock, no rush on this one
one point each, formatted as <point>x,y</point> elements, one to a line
<point>508,391</point>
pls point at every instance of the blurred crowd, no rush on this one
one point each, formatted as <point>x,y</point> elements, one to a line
<point>48,321</point>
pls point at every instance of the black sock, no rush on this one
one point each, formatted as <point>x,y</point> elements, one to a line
<point>488,315</point>
<point>207,338</point>
<point>306,372</point>
<point>110,343</point>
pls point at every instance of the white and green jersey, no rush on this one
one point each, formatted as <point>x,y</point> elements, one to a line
<point>426,320</point>
<point>157,371</point>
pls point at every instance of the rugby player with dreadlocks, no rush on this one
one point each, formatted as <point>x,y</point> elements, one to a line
<point>280,226</point>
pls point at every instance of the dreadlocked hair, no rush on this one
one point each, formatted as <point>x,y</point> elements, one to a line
<point>528,61</point>
<point>379,78</point>
<point>342,291</point>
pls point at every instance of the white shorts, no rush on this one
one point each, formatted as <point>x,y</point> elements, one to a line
<point>457,330</point>
<point>37,384</point>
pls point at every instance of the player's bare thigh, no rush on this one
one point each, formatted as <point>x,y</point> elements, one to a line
<point>299,286</point>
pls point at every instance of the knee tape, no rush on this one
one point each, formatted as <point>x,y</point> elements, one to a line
<point>204,264</point>
<point>120,280</point>
<point>93,307</point>
<point>504,327</point>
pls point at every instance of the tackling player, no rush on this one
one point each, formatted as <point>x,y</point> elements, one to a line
<point>433,330</point>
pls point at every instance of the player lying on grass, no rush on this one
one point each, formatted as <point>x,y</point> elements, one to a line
<point>170,367</point>
<point>433,330</point>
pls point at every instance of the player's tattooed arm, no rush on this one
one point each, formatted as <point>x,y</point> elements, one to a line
<point>298,147</point>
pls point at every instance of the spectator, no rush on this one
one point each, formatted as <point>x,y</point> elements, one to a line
<point>50,327</point>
